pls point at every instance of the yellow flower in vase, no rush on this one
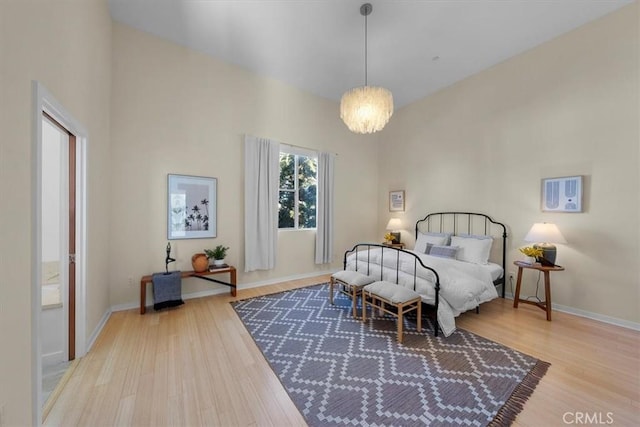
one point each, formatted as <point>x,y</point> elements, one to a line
<point>531,253</point>
<point>388,237</point>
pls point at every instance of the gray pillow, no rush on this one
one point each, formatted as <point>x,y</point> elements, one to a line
<point>442,251</point>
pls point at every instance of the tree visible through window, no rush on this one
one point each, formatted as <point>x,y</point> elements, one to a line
<point>298,191</point>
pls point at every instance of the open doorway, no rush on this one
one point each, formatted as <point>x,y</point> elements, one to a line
<point>59,244</point>
<point>57,334</point>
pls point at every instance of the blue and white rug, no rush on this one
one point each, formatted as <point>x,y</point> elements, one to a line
<point>339,371</point>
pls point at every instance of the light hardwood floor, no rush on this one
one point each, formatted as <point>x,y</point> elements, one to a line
<point>197,365</point>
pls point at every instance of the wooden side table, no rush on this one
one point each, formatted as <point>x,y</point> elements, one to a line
<point>546,304</point>
<point>230,269</point>
<point>394,245</point>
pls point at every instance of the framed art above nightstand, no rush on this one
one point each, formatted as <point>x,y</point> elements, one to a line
<point>396,201</point>
<point>562,194</point>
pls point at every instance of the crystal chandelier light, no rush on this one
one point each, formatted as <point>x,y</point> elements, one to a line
<point>366,109</point>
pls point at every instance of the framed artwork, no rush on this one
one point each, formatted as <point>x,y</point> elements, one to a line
<point>191,207</point>
<point>562,194</point>
<point>396,201</point>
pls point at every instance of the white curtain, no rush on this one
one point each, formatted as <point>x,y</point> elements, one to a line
<point>324,221</point>
<point>261,192</point>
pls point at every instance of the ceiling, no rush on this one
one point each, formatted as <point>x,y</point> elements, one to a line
<point>416,47</point>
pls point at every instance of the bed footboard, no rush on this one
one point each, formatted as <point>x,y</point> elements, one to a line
<point>409,265</point>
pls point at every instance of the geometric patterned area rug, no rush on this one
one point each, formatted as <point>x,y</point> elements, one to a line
<point>340,371</point>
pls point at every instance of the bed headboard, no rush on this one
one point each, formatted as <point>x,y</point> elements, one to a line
<point>470,223</point>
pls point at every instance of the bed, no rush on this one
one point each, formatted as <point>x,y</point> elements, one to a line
<point>457,263</point>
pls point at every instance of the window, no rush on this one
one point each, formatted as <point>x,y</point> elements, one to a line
<point>298,190</point>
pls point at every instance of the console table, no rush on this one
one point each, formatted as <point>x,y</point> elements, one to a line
<point>230,269</point>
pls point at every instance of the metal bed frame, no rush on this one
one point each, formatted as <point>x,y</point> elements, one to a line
<point>441,222</point>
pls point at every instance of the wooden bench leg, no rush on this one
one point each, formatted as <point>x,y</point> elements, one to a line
<point>354,301</point>
<point>402,309</point>
<point>400,320</point>
<point>364,306</point>
<point>331,283</point>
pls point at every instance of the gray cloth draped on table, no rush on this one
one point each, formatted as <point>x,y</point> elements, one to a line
<point>167,290</point>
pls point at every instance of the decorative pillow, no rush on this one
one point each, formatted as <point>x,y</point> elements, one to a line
<point>472,249</point>
<point>433,238</point>
<point>442,251</point>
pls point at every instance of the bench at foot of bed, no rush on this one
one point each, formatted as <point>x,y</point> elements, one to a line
<point>378,294</point>
<point>351,283</point>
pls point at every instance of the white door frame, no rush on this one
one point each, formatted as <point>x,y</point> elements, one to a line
<point>43,100</point>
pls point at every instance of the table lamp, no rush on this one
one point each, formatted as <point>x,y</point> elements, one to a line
<point>545,234</point>
<point>392,225</point>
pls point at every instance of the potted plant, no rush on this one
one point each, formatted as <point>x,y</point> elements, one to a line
<point>218,254</point>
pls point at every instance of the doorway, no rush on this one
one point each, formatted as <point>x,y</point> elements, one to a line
<point>57,252</point>
<point>59,244</point>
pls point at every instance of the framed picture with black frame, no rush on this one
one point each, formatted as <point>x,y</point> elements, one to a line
<point>191,207</point>
<point>563,194</point>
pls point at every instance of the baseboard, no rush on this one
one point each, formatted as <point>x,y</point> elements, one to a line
<point>125,306</point>
<point>98,329</point>
<point>596,316</point>
<point>590,315</point>
<point>217,291</point>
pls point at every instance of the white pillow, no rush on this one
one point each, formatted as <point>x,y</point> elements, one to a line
<point>472,249</point>
<point>439,239</point>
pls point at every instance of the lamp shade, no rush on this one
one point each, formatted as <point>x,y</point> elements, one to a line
<point>366,109</point>
<point>544,232</point>
<point>394,224</point>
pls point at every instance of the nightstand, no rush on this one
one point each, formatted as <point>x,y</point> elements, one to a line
<point>546,304</point>
<point>394,245</point>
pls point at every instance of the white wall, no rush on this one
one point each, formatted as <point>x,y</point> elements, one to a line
<point>66,45</point>
<point>178,111</point>
<point>53,140</point>
<point>568,107</point>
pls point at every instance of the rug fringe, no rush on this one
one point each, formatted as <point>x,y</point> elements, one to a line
<point>514,405</point>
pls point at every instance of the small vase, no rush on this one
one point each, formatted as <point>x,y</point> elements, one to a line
<point>529,260</point>
<point>218,262</point>
<point>200,263</point>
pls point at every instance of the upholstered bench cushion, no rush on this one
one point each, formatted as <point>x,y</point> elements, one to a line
<point>353,278</point>
<point>393,293</point>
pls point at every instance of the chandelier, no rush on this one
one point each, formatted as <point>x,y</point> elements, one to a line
<point>366,109</point>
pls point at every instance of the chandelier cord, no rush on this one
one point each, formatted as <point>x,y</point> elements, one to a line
<point>365,49</point>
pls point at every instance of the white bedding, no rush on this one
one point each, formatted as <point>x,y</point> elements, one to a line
<point>495,270</point>
<point>463,285</point>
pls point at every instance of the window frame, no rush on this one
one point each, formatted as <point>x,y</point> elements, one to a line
<point>297,152</point>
